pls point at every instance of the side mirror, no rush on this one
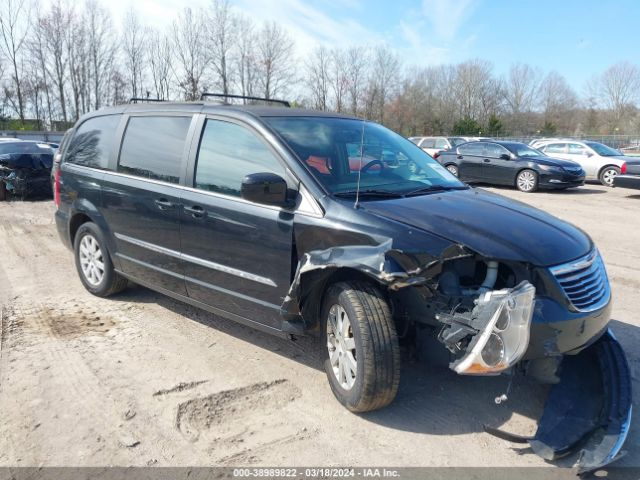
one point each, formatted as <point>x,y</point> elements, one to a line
<point>265,188</point>
<point>589,154</point>
<point>505,156</point>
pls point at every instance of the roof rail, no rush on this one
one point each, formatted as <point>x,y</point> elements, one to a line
<point>206,95</point>
<point>143,99</point>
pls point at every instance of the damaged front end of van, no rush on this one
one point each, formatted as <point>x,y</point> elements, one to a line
<point>497,316</point>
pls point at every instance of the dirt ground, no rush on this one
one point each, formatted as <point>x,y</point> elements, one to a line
<point>140,379</point>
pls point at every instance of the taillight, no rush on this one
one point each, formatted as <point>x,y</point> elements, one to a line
<point>623,169</point>
<point>56,189</point>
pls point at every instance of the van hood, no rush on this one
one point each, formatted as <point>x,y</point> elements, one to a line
<point>491,225</point>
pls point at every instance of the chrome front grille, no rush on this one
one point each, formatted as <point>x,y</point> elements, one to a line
<point>584,282</point>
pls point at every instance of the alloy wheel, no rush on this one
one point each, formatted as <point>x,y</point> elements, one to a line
<point>91,260</point>
<point>342,347</point>
<point>608,176</point>
<point>526,181</point>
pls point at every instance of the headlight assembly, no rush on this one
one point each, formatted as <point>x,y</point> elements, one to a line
<point>504,339</point>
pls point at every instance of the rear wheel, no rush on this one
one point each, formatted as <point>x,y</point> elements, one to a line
<point>527,181</point>
<point>453,169</point>
<point>363,355</point>
<point>608,174</point>
<point>94,263</point>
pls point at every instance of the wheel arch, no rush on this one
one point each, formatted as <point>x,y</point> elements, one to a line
<point>522,169</point>
<point>83,211</point>
<point>604,167</point>
<point>317,286</point>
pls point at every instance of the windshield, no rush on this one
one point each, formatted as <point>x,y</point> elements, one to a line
<point>339,152</point>
<point>522,150</point>
<point>603,150</point>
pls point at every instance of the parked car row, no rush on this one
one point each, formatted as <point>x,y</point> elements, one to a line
<point>511,163</point>
<point>549,163</point>
<point>600,162</point>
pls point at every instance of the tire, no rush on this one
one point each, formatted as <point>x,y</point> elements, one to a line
<point>527,181</point>
<point>94,263</point>
<point>375,354</point>
<point>453,169</point>
<point>608,174</point>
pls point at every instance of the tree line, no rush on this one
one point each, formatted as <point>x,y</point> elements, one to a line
<point>70,58</point>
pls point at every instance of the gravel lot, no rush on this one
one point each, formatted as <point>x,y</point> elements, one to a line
<point>140,379</point>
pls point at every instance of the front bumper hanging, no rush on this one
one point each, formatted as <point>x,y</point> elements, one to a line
<point>589,409</point>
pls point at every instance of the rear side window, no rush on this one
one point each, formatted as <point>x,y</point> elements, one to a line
<point>152,147</point>
<point>441,143</point>
<point>428,143</point>
<point>555,148</point>
<point>472,148</point>
<point>577,149</point>
<point>228,152</point>
<point>92,143</point>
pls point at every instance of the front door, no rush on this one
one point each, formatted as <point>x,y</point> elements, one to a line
<point>496,169</point>
<point>237,254</point>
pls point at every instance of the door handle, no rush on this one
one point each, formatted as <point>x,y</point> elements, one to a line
<point>196,211</point>
<point>164,204</point>
<point>460,157</point>
<point>486,160</point>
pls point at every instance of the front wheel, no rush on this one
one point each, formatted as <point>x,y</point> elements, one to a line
<point>94,263</point>
<point>608,175</point>
<point>363,354</point>
<point>527,181</point>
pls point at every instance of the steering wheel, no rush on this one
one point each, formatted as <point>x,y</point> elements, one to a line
<point>370,164</point>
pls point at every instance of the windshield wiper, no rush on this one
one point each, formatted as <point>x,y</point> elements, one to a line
<point>434,188</point>
<point>369,193</point>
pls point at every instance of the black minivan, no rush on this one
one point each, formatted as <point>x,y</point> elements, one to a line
<point>299,222</point>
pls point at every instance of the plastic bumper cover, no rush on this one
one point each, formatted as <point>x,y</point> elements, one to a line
<point>589,409</point>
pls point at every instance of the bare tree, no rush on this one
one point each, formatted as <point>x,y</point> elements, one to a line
<point>619,89</point>
<point>133,46</point>
<point>338,78</point>
<point>275,60</point>
<point>192,55</point>
<point>383,79</point>
<point>159,59</point>
<point>473,79</point>
<point>101,49</point>
<point>317,77</point>
<point>357,59</point>
<point>521,88</point>
<point>223,33</point>
<point>40,64</point>
<point>14,24</point>
<point>246,58</point>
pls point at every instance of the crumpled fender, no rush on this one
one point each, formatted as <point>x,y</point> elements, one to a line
<point>388,266</point>
<point>589,409</point>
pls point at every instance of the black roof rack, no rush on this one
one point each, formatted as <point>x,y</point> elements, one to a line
<point>206,95</point>
<point>143,99</point>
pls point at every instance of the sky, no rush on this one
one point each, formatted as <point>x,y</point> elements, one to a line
<point>576,38</point>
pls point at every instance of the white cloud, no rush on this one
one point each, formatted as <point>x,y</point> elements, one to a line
<point>446,17</point>
<point>310,26</point>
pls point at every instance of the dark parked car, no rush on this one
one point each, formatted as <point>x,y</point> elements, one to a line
<point>629,176</point>
<point>511,163</point>
<point>258,214</point>
<point>25,168</point>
